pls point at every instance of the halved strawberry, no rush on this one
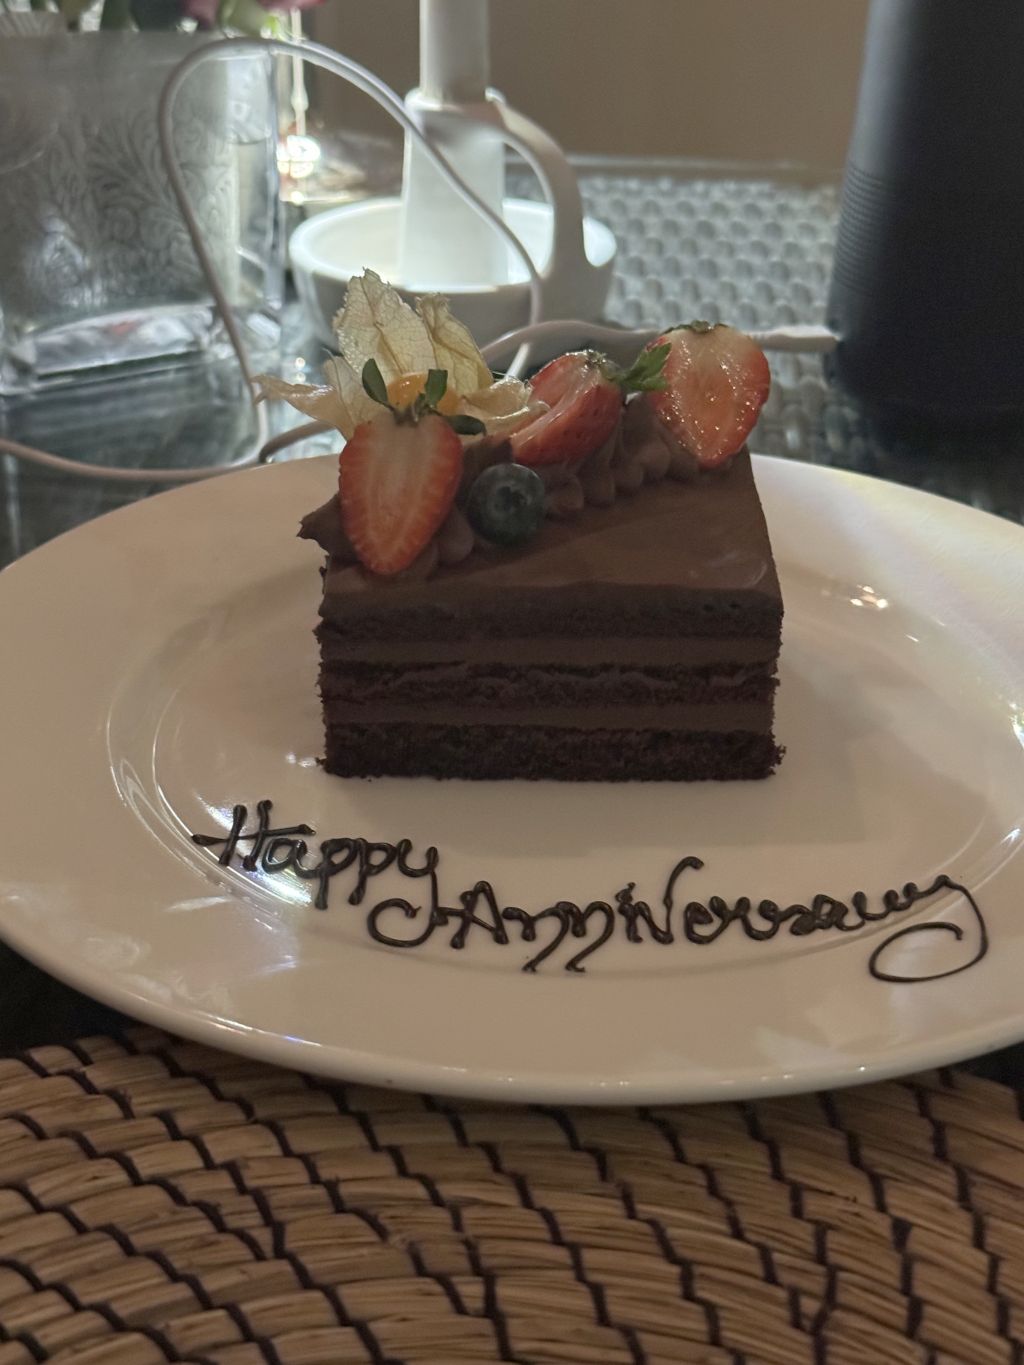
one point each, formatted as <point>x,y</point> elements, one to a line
<point>397,482</point>
<point>716,382</point>
<point>584,403</point>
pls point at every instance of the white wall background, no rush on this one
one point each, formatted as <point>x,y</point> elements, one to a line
<point>748,79</point>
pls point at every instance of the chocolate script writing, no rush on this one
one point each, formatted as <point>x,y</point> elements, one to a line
<point>399,923</point>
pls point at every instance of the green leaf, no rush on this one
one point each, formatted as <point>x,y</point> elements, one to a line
<point>465,425</point>
<point>697,325</point>
<point>435,387</point>
<point>373,383</point>
<point>645,374</point>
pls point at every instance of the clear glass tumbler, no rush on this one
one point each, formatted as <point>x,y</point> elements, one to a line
<point>96,267</point>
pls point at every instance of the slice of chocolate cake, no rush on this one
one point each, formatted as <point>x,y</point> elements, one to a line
<point>639,641</point>
<point>567,579</point>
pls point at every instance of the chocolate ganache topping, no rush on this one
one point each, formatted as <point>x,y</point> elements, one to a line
<point>396,922</point>
<point>641,450</point>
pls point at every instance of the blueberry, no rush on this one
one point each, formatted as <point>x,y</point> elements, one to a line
<point>506,504</point>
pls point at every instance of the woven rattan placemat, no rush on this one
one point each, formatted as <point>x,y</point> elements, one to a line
<point>160,1201</point>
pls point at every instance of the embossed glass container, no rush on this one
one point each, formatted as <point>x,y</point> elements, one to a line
<point>96,266</point>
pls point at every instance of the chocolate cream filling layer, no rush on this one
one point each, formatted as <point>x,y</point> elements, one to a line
<point>716,717</point>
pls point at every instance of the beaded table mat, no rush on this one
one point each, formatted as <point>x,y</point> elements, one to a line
<point>164,1202</point>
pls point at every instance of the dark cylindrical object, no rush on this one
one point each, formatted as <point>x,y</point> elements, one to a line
<point>928,282</point>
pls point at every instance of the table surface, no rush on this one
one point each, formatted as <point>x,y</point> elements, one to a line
<point>750,245</point>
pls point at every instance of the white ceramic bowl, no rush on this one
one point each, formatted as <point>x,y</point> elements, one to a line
<point>330,248</point>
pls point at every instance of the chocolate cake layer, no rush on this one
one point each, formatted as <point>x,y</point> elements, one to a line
<point>445,751</point>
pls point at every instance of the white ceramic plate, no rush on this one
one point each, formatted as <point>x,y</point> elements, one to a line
<point>159,668</point>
